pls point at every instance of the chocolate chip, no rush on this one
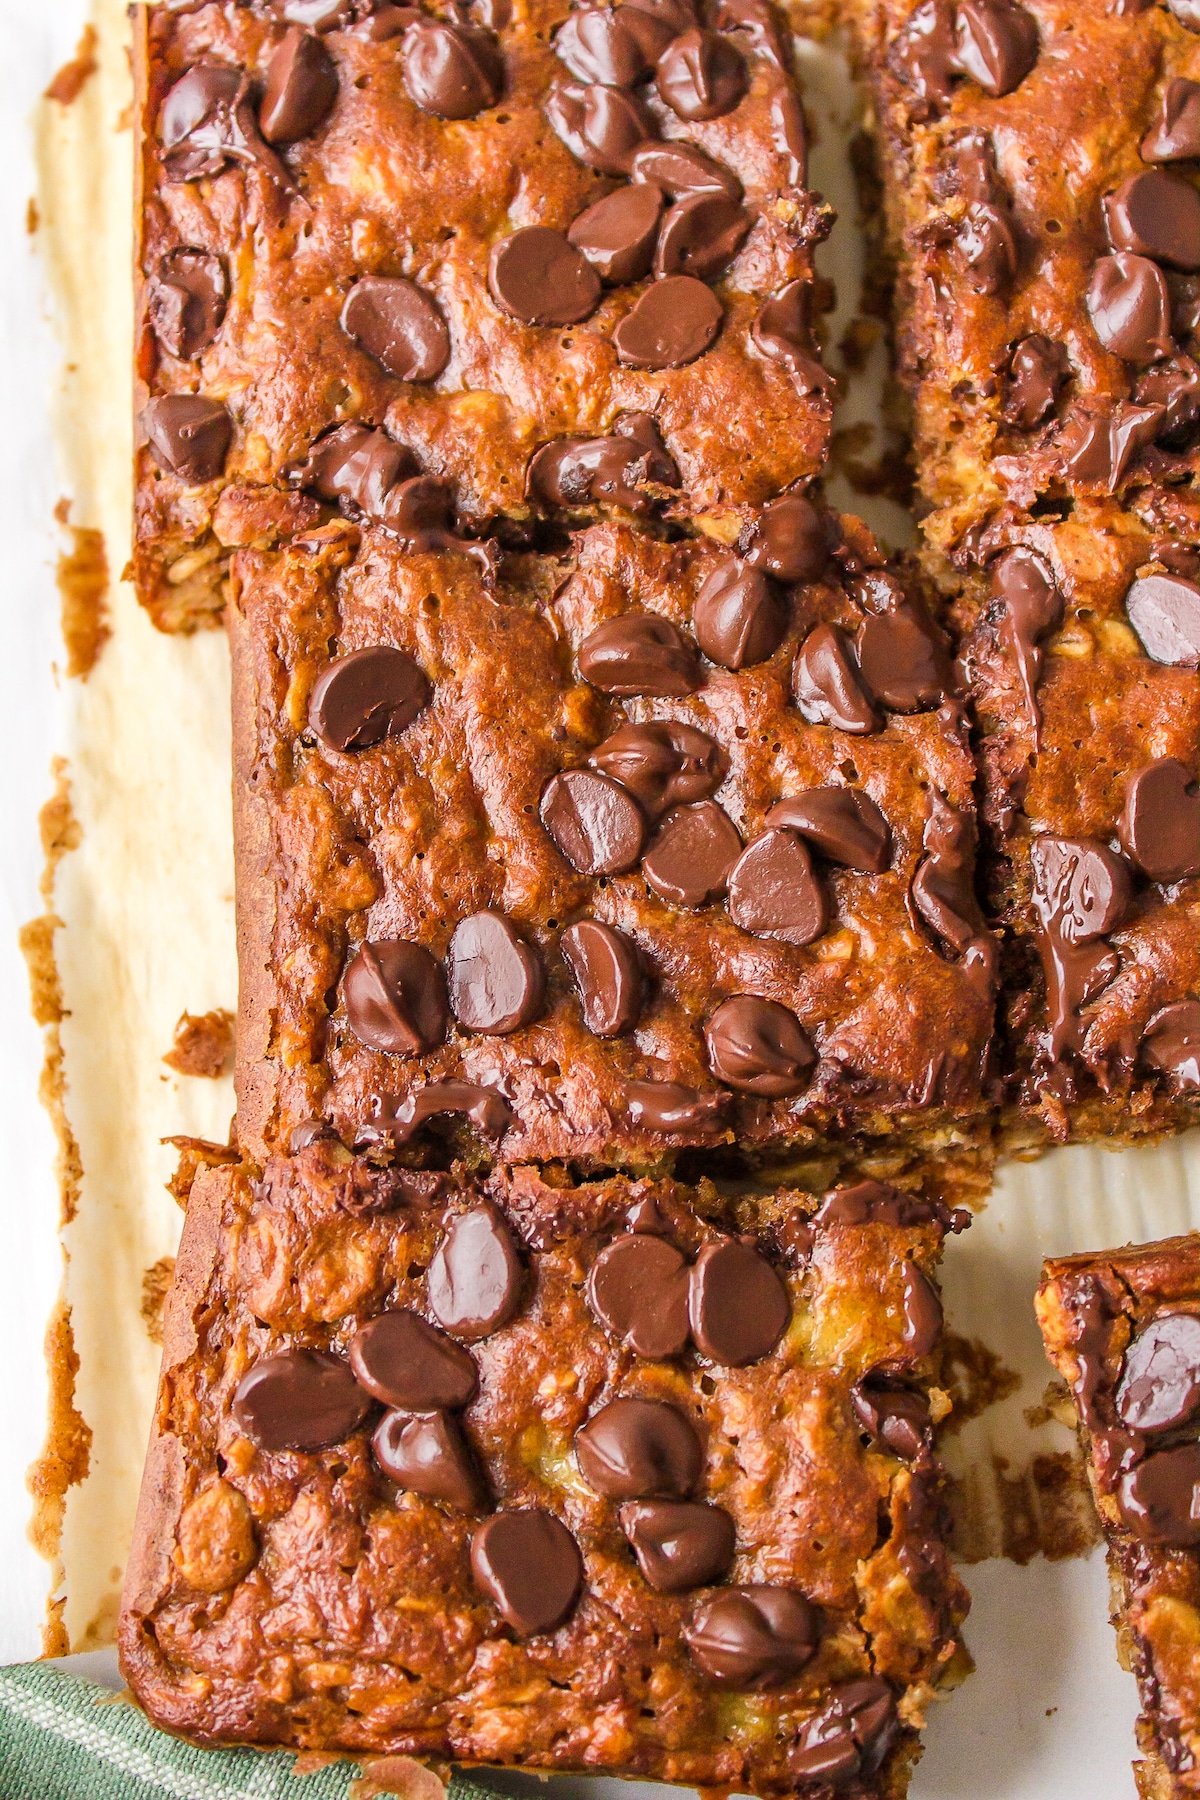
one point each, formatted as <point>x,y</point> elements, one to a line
<point>924,56</point>
<point>737,1304</point>
<point>701,75</point>
<point>1160,1377</point>
<point>599,45</point>
<point>595,822</point>
<point>1164,610</point>
<point>617,234</point>
<point>902,662</point>
<point>638,1289</point>
<point>1156,215</point>
<point>1175,133</point>
<point>1033,608</point>
<point>299,1400</point>
<point>1128,303</point>
<point>996,43</point>
<point>529,1565</point>
<point>451,71</point>
<point>1159,827</point>
<point>692,854</point>
<point>682,169</point>
<point>602,126</point>
<point>397,323</point>
<point>608,974</point>
<point>1037,372</point>
<point>633,1449</point>
<point>844,823</point>
<point>428,1454</point>
<point>658,22</point>
<point>774,891</point>
<point>537,275</point>
<point>782,332</point>
<point>622,469</point>
<point>986,248</point>
<point>1097,446</point>
<point>669,1106</point>
<point>679,1544</point>
<point>752,1637</point>
<point>700,236</point>
<point>922,1313</point>
<point>395,996</point>
<point>878,1203</point>
<point>487,1110</point>
<point>189,436</point>
<point>787,540</point>
<point>639,653</point>
<point>187,300</point>
<point>410,1364</point>
<point>475,1279</point>
<point>672,323</point>
<point>664,763</point>
<point>207,120</point>
<point>495,978</point>
<point>356,466</point>
<point>943,884</point>
<point>1173,387</point>
<point>1160,1498</point>
<point>372,694</point>
<point>849,1737</point>
<point>739,618</point>
<point>301,88</point>
<point>826,684</point>
<point>1081,887</point>
<point>1171,1044</point>
<point>896,1418</point>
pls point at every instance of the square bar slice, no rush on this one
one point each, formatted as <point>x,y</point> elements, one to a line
<point>515,853</point>
<point>1123,1329</point>
<point>386,223</point>
<point>621,1477</point>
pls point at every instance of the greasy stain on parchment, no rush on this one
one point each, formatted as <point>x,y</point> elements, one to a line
<point>83,581</point>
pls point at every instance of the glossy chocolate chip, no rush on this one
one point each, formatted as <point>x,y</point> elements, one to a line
<point>1033,606</point>
<point>679,1544</point>
<point>1175,133</point>
<point>896,1418</point>
<point>428,1454</point>
<point>638,1289</point>
<point>1164,610</point>
<point>1037,372</point>
<point>538,276</point>
<point>618,233</point>
<point>301,88</point>
<point>495,978</point>
<point>658,22</point>
<point>986,248</point>
<point>782,332</point>
<point>1174,387</point>
<point>189,436</point>
<point>397,323</point>
<point>737,1304</point>
<point>601,126</point>
<point>752,1637</point>
<point>404,1361</point>
<point>1159,826</point>
<point>639,653</point>
<point>848,1738</point>
<point>701,75</point>
<point>996,43</point>
<point>1160,1377</point>
<point>634,1449</point>
<point>844,823</point>
<point>701,236</point>
<point>1156,214</point>
<point>826,685</point>
<point>1081,887</point>
<point>475,1279</point>
<point>487,1110</point>
<point>395,995</point>
<point>787,540</point>
<point>922,1312</point>
<point>451,71</point>
<point>1098,446</point>
<point>664,763</point>
<point>692,854</point>
<point>607,971</point>
<point>529,1566</point>
<point>669,1106</point>
<point>372,694</point>
<point>942,892</point>
<point>901,660</point>
<point>672,323</point>
<point>187,300</point>
<point>356,466</point>
<point>207,120</point>
<point>600,45</point>
<point>681,169</point>
<point>596,823</point>
<point>1160,1498</point>
<point>774,891</point>
<point>1171,1044</point>
<point>621,469</point>
<point>1128,303</point>
<point>299,1400</point>
<point>740,617</point>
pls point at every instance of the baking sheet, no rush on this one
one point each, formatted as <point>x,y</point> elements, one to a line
<point>145,902</point>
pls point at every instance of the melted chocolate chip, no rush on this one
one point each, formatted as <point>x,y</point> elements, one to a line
<point>943,890</point>
<point>596,823</point>
<point>608,974</point>
<point>787,540</point>
<point>1081,888</point>
<point>1160,1498</point>
<point>679,1544</point>
<point>701,75</point>
<point>759,1046</point>
<point>1037,373</point>
<point>638,1289</point>
<point>1174,388</point>
<point>1033,609</point>
<point>187,301</point>
<point>902,662</point>
<point>207,120</point>
<point>495,978</point>
<point>356,467</point>
<point>700,236</point>
<point>664,763</point>
<point>409,1364</point>
<point>189,436</point>
<point>451,71</point>
<point>428,1454</point>
<point>1175,133</point>
<point>1160,1377</point>
<point>618,233</point>
<point>737,1304</point>
<point>397,323</point>
<point>395,996</point>
<point>602,126</point>
<point>878,1203</point>
<point>668,1106</point>
<point>1171,1044</point>
<point>529,1566</point>
<point>774,892</point>
<point>639,653</point>
<point>538,276</point>
<point>986,248</point>
<point>849,1737</point>
<point>658,22</point>
<point>692,854</point>
<point>475,1279</point>
<point>1157,215</point>
<point>299,1400</point>
<point>844,823</point>
<point>1098,445</point>
<point>896,1418</point>
<point>372,694</point>
<point>740,618</point>
<point>1159,827</point>
<point>301,88</point>
<point>922,1312</point>
<point>752,1637</point>
<point>622,469</point>
<point>996,43</point>
<point>635,1449</point>
<point>673,321</point>
<point>782,331</point>
<point>1164,610</point>
<point>925,57</point>
<point>826,684</point>
<point>487,1110</point>
<point>1128,303</point>
<point>682,169</point>
<point>599,45</point>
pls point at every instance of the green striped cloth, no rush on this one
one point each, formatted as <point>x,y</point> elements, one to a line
<point>62,1738</point>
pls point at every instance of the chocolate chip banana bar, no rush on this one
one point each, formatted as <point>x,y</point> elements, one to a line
<point>618,1476</point>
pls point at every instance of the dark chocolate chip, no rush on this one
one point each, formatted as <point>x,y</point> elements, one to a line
<point>737,1305</point>
<point>1081,887</point>
<point>1171,1044</point>
<point>1164,610</point>
<point>1037,372</point>
<point>752,1637</point>
<point>759,1046</point>
<point>849,1737</point>
<point>1160,1377</point>
<point>658,22</point>
<point>189,436</point>
<point>617,234</point>
<point>700,236</point>
<point>664,763</point>
<point>301,88</point>
<point>897,1418</point>
<point>187,300</point>
<point>634,1449</point>
<point>740,617</point>
<point>638,1289</point>
<point>1160,1498</point>
<point>924,56</point>
<point>475,1279</point>
<point>487,1110</point>
<point>692,854</point>
<point>207,120</point>
<point>299,1400</point>
<point>602,126</point>
<point>608,974</point>
<point>599,45</point>
<point>679,1544</point>
<point>826,684</point>
<point>495,978</point>
<point>372,694</point>
<point>922,1312</point>
<point>1128,303</point>
<point>397,323</point>
<point>844,823</point>
<point>878,1203</point>
<point>774,892</point>
<point>1098,445</point>
<point>537,275</point>
<point>787,540</point>
<point>395,996</point>
<point>451,71</point>
<point>1174,388</point>
<point>901,661</point>
<point>1175,133</point>
<point>782,332</point>
<point>996,43</point>
<point>404,1361</point>
<point>986,248</point>
<point>943,884</point>
<point>596,823</point>
<point>529,1565</point>
<point>1033,608</point>
<point>622,469</point>
<point>671,323</point>
<point>357,466</point>
<point>1156,214</point>
<point>682,169</point>
<point>639,653</point>
<point>428,1454</point>
<point>1159,827</point>
<point>701,75</point>
<point>669,1106</point>
<point>419,509</point>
